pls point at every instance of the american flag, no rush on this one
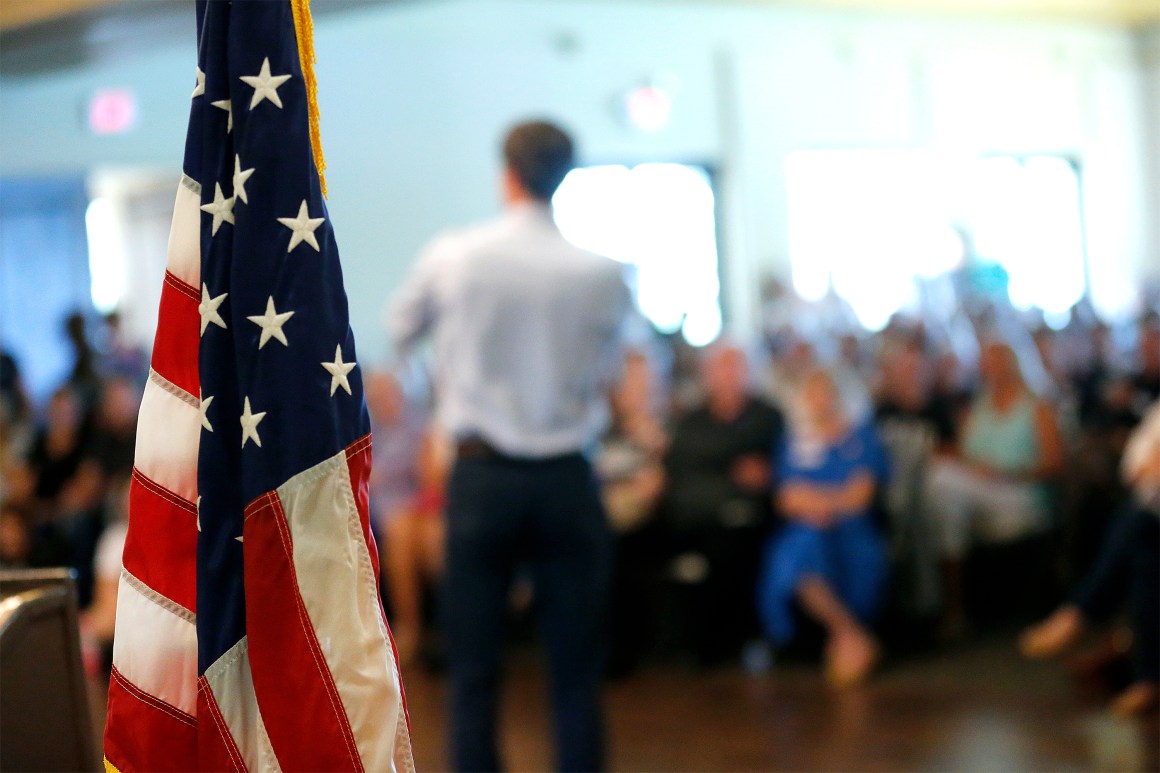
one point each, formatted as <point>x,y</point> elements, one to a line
<point>250,635</point>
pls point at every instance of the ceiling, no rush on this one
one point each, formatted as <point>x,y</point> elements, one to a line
<point>15,14</point>
<point>1128,12</point>
<point>39,36</point>
<point>46,35</point>
<point>20,13</point>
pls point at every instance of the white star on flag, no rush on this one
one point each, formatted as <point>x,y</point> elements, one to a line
<point>208,309</point>
<point>338,371</point>
<point>221,208</point>
<point>303,228</point>
<point>199,89</point>
<point>271,323</point>
<point>240,177</point>
<point>224,104</point>
<point>250,422</point>
<point>265,85</point>
<point>203,407</point>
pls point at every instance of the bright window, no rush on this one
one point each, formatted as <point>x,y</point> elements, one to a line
<point>872,223</point>
<point>660,219</point>
<point>106,256</point>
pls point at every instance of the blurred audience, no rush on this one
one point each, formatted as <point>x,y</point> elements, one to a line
<point>699,478</point>
<point>17,419</point>
<point>829,560</point>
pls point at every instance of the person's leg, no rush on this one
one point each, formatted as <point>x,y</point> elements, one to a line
<point>1100,594</point>
<point>1108,583</point>
<point>802,569</point>
<point>483,512</point>
<point>1144,692</point>
<point>793,553</point>
<point>851,651</point>
<point>728,614</point>
<point>572,548</point>
<point>430,538</point>
<point>403,582</point>
<point>951,497</point>
<point>819,601</point>
<point>862,568</point>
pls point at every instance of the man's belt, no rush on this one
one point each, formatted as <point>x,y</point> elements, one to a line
<point>475,447</point>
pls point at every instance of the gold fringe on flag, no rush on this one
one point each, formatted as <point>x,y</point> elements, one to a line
<point>304,30</point>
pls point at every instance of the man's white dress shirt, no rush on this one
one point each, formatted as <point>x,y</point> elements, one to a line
<point>527,330</point>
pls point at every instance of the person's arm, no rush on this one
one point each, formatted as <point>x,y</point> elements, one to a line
<point>805,502</point>
<point>412,313</point>
<point>818,501</point>
<point>857,494</point>
<point>1051,455</point>
<point>751,473</point>
<point>100,618</point>
<point>628,330</point>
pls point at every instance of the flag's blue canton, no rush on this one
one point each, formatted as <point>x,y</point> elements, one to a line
<point>248,260</point>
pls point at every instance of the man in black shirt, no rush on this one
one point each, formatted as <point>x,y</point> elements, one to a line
<point>717,505</point>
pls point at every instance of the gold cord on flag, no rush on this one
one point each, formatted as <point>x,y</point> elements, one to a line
<point>304,30</point>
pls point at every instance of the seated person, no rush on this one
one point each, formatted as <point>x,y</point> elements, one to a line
<point>58,448</point>
<point>1146,373</point>
<point>99,620</point>
<point>632,480</point>
<point>994,487</point>
<point>829,560</point>
<point>1128,567</point>
<point>916,425</point>
<point>628,463</point>
<point>716,504</point>
<point>407,505</point>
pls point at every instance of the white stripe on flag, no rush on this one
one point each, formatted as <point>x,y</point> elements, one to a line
<point>338,589</point>
<point>155,647</point>
<point>168,435</point>
<point>184,253</point>
<point>232,685</point>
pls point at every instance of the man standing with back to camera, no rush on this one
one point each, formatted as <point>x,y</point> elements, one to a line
<point>526,330</point>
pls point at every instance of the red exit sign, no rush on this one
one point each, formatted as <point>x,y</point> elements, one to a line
<point>112,111</point>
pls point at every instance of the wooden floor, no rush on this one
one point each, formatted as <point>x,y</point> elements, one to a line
<point>978,709</point>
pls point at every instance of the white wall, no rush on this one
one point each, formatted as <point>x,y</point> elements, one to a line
<point>1148,55</point>
<point>414,96</point>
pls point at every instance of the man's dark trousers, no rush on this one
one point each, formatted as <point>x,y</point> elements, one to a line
<point>546,515</point>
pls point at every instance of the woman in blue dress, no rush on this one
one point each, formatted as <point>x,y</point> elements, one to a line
<point>829,561</point>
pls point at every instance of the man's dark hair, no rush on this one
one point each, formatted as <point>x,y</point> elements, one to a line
<point>540,154</point>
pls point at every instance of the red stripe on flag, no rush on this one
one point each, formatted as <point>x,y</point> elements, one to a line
<point>147,734</point>
<point>287,662</point>
<point>161,546</point>
<point>178,334</point>
<point>217,749</point>
<point>358,462</point>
